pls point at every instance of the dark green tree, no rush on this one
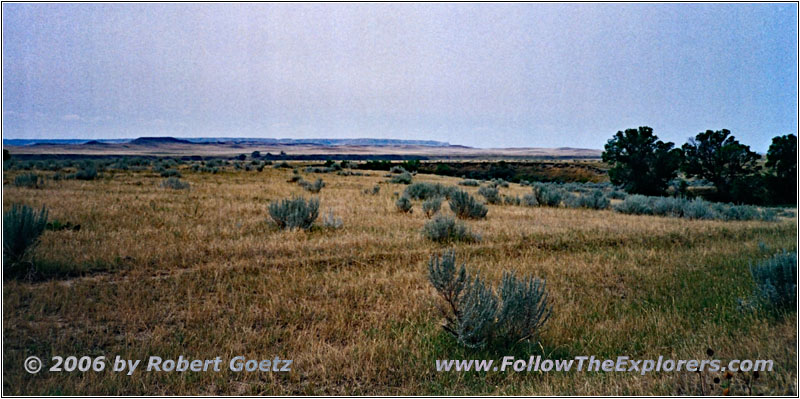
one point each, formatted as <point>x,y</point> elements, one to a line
<point>640,162</point>
<point>716,156</point>
<point>782,162</point>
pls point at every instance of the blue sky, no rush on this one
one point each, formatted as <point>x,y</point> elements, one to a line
<point>486,75</point>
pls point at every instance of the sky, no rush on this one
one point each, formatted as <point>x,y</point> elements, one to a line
<point>483,75</point>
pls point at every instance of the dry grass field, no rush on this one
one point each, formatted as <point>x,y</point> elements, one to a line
<point>203,273</point>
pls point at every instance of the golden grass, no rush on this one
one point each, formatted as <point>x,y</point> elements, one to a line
<point>202,273</point>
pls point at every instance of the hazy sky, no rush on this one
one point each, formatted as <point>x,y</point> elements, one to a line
<point>488,75</point>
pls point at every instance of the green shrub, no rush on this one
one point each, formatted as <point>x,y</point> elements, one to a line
<point>475,316</point>
<point>491,194</point>
<point>22,227</point>
<point>29,180</point>
<point>432,206</point>
<point>402,178</point>
<point>314,187</point>
<point>466,207</point>
<point>170,173</point>
<point>87,172</point>
<point>444,229</point>
<point>776,282</point>
<point>282,164</point>
<point>397,170</point>
<point>175,183</point>
<point>635,205</point>
<point>530,200</point>
<point>469,182</point>
<point>548,194</point>
<point>404,204</point>
<point>594,200</point>
<point>699,209</point>
<point>423,190</point>
<point>294,213</point>
<point>509,200</point>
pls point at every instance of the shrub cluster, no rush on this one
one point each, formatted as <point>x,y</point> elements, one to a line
<point>314,187</point>
<point>445,229</point>
<point>402,178</point>
<point>175,183</point>
<point>593,200</point>
<point>467,207</point>
<point>432,206</point>
<point>548,194</point>
<point>776,282</point>
<point>469,182</point>
<point>294,213</point>
<point>330,221</point>
<point>404,204</point>
<point>22,227</point>
<point>374,190</point>
<point>476,316</point>
<point>691,209</point>
<point>28,180</point>
<point>423,191</point>
<point>491,194</point>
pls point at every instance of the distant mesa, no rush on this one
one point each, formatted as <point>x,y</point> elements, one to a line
<point>95,142</point>
<point>158,141</point>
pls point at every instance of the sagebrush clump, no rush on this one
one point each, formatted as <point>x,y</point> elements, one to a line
<point>467,207</point>
<point>28,180</point>
<point>593,200</point>
<point>491,194</point>
<point>447,229</point>
<point>402,178</point>
<point>431,206</point>
<point>294,213</point>
<point>776,282</point>
<point>475,316</point>
<point>548,194</point>
<point>423,190</point>
<point>404,204</point>
<point>22,228</point>
<point>175,183</point>
<point>314,187</point>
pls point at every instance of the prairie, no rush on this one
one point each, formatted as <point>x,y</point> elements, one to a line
<point>202,273</point>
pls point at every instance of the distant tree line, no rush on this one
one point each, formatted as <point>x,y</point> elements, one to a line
<point>643,164</point>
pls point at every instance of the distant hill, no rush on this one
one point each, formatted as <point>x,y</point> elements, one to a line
<point>233,140</point>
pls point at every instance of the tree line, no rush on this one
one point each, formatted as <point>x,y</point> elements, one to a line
<point>643,164</point>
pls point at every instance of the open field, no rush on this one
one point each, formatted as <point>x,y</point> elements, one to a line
<point>202,273</point>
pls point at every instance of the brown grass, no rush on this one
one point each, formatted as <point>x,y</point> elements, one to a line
<point>202,273</point>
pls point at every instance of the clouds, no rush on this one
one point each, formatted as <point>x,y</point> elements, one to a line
<point>530,74</point>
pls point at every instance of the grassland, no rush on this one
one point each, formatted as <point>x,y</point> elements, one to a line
<point>202,273</point>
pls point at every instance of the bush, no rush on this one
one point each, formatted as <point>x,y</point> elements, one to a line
<point>699,209</point>
<point>776,282</point>
<point>398,170</point>
<point>403,178</point>
<point>548,194</point>
<point>282,164</point>
<point>466,207</point>
<point>444,229</point>
<point>29,180</point>
<point>509,200</point>
<point>314,187</point>
<point>404,204</point>
<point>87,172</point>
<point>635,205</point>
<point>175,183</point>
<point>170,173</point>
<point>423,191</point>
<point>22,227</point>
<point>431,206</point>
<point>530,200</point>
<point>374,190</point>
<point>294,213</point>
<point>475,316</point>
<point>595,200</point>
<point>469,182</point>
<point>491,194</point>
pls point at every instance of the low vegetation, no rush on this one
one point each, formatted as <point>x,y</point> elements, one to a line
<point>295,213</point>
<point>776,282</point>
<point>476,316</point>
<point>22,228</point>
<point>444,229</point>
<point>467,207</point>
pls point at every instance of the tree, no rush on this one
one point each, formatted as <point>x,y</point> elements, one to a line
<point>782,161</point>
<point>640,162</point>
<point>730,166</point>
<point>255,154</point>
